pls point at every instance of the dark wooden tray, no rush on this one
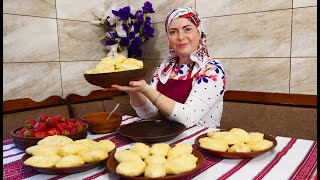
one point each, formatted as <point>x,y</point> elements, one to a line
<point>152,130</point>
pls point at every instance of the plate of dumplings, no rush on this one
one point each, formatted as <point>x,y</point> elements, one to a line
<point>61,155</point>
<point>155,161</point>
<point>236,143</point>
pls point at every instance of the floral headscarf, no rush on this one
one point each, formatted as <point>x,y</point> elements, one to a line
<point>200,56</point>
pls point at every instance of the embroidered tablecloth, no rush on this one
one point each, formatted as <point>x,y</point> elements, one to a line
<point>291,159</point>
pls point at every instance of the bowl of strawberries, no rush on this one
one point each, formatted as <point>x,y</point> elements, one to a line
<point>48,125</point>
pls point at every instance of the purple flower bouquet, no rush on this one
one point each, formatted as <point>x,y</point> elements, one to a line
<point>125,31</point>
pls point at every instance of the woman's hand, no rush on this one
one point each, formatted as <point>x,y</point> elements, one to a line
<point>134,86</point>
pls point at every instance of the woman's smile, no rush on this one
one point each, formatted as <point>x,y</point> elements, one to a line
<point>183,45</point>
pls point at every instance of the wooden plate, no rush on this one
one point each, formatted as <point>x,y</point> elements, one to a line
<point>152,130</point>
<point>69,170</point>
<point>235,155</point>
<point>105,80</point>
<point>112,165</point>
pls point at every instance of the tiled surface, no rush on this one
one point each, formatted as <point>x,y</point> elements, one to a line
<point>83,9</point>
<point>226,7</point>
<point>156,47</point>
<point>304,3</point>
<point>265,34</point>
<point>304,32</point>
<point>303,76</point>
<point>161,7</point>
<point>42,8</point>
<point>257,74</point>
<point>73,81</point>
<point>80,41</point>
<point>29,39</point>
<point>36,81</point>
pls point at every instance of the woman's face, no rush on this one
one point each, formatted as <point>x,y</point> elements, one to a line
<point>183,36</point>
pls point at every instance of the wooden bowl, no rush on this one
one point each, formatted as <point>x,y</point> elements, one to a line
<point>98,124</point>
<point>25,142</point>
<point>105,80</point>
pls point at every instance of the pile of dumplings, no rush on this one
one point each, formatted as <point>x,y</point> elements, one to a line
<point>119,63</point>
<point>156,161</point>
<point>62,152</point>
<point>235,140</point>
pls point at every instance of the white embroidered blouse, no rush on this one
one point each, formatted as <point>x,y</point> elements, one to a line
<point>204,104</point>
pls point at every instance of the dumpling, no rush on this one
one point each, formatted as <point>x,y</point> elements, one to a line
<point>126,155</point>
<point>256,136</point>
<point>242,134</point>
<point>226,136</point>
<point>70,161</point>
<point>186,157</point>
<point>213,144</point>
<point>127,66</point>
<point>160,149</point>
<point>180,149</point>
<point>259,145</point>
<point>178,166</point>
<point>211,134</point>
<point>142,149</point>
<point>135,61</point>
<point>106,145</point>
<point>105,66</point>
<point>118,59</point>
<point>155,171</point>
<point>87,142</point>
<point>42,161</point>
<point>93,155</point>
<point>131,168</point>
<point>155,159</point>
<point>45,150</point>
<point>239,147</point>
<point>57,140</point>
<point>72,148</point>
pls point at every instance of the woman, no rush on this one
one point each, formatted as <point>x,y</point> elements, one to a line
<point>188,86</point>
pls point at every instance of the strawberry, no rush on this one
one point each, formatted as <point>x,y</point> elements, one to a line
<point>70,125</point>
<point>73,120</point>
<point>19,133</point>
<point>54,131</point>
<point>61,126</point>
<point>51,122</point>
<point>41,134</point>
<point>78,125</point>
<point>43,117</point>
<point>30,123</point>
<point>65,132</point>
<point>59,118</point>
<point>24,129</point>
<point>40,126</point>
<point>63,120</point>
<point>73,130</point>
<point>28,133</point>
